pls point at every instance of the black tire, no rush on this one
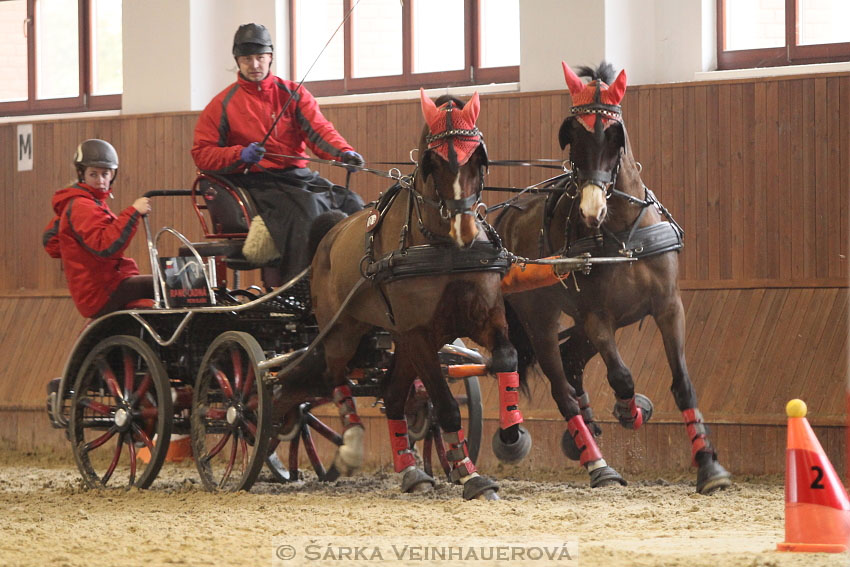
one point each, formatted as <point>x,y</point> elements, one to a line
<point>230,414</point>
<point>122,398</point>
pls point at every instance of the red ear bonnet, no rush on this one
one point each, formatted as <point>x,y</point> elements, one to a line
<point>595,92</point>
<point>449,125</point>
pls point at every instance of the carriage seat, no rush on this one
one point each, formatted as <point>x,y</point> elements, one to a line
<point>225,211</point>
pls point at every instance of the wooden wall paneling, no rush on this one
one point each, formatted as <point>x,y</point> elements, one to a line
<point>742,376</point>
<point>829,175</point>
<point>721,392</point>
<point>844,178</point>
<point>820,230</point>
<point>735,208</point>
<point>747,180</point>
<point>830,372</point>
<point>824,383</point>
<point>768,243</point>
<point>790,204</point>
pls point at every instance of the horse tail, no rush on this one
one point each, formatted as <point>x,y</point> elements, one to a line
<point>522,343</point>
<point>321,225</point>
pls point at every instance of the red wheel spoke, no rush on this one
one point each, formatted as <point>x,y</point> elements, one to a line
<point>236,359</point>
<point>132,449</point>
<point>252,429</point>
<point>109,378</point>
<point>218,446</point>
<point>249,380</point>
<point>244,445</point>
<point>140,433</point>
<point>150,412</point>
<point>223,382</point>
<point>100,440</point>
<point>253,403</point>
<point>230,463</point>
<point>96,407</point>
<point>143,386</point>
<point>114,462</point>
<point>129,371</point>
<point>216,413</point>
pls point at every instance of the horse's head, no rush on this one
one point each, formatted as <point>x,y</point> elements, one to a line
<point>452,164</point>
<point>596,136</point>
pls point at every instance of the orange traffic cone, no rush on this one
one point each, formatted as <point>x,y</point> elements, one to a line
<point>817,509</point>
<point>179,449</point>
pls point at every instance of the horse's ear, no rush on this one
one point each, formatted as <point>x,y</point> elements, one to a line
<point>574,83</point>
<point>617,89</point>
<point>429,109</point>
<point>471,108</point>
<point>564,134</point>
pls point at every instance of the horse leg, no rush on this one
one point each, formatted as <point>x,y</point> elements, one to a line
<point>577,442</point>
<point>576,351</point>
<point>711,475</point>
<point>631,410</point>
<point>511,442</point>
<point>340,347</point>
<point>423,357</point>
<point>396,391</point>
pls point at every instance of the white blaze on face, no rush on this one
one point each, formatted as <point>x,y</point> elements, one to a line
<point>593,204</point>
<point>457,220</point>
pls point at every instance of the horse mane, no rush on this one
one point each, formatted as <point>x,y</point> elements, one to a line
<point>604,72</point>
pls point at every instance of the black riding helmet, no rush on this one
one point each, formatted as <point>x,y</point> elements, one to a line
<point>95,153</point>
<point>252,39</point>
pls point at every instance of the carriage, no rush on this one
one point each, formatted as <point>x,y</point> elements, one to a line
<point>206,361</point>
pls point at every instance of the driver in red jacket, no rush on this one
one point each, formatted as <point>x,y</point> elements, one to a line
<point>230,140</point>
<point>90,239</point>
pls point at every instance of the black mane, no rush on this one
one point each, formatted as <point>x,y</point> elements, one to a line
<point>605,71</point>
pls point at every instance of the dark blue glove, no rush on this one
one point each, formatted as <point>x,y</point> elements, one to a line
<point>252,153</point>
<point>353,159</point>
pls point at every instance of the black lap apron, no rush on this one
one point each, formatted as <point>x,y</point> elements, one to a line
<point>288,201</point>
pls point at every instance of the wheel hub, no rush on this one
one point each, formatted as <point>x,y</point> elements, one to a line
<point>232,415</point>
<point>121,417</point>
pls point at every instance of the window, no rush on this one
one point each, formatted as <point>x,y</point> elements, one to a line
<point>769,33</point>
<point>60,56</point>
<point>388,45</point>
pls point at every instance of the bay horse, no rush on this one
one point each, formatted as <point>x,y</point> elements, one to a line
<point>604,209</point>
<point>422,265</point>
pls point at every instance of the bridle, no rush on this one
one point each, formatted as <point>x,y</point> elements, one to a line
<point>450,207</point>
<point>604,179</point>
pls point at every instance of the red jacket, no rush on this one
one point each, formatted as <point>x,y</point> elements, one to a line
<point>90,240</point>
<point>243,113</point>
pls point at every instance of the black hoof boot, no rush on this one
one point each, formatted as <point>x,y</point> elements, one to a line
<point>480,487</point>
<point>624,416</point>
<point>711,476</point>
<point>416,480</point>
<point>606,476</point>
<point>512,452</point>
<point>331,475</point>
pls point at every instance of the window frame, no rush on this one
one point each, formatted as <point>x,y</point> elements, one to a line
<point>85,101</point>
<point>789,54</point>
<point>471,74</point>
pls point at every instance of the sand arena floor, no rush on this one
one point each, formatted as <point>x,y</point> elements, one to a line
<point>49,519</point>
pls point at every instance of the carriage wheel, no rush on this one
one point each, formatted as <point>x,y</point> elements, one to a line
<point>121,402</point>
<point>300,428</point>
<point>422,422</point>
<point>230,409</point>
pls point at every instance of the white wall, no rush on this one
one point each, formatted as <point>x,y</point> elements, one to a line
<point>177,53</point>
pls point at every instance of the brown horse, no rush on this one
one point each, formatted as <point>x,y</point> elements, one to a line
<point>604,209</point>
<point>422,266</point>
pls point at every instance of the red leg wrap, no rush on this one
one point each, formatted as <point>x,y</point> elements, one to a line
<point>402,456</point>
<point>347,409</point>
<point>509,413</point>
<point>458,455</point>
<point>696,432</point>
<point>584,440</point>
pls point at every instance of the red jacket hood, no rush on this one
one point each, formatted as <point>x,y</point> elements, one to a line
<point>61,197</point>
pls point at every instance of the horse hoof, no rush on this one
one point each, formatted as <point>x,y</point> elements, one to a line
<point>711,476</point>
<point>512,452</point>
<point>416,480</point>
<point>606,476</point>
<point>480,487</point>
<point>643,404</point>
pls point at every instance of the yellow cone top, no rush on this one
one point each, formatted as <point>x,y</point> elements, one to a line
<point>796,408</point>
